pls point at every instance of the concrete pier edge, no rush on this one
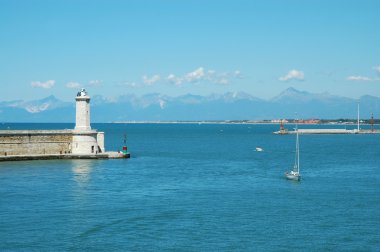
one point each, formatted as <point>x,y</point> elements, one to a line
<point>107,155</point>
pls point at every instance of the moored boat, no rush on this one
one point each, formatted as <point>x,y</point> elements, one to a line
<point>295,173</point>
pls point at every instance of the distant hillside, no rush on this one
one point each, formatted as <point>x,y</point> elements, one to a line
<point>228,106</point>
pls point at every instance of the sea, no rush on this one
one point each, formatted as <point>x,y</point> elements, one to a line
<point>197,187</point>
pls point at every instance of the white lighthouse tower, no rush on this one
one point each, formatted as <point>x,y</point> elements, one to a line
<point>86,141</point>
<point>82,122</point>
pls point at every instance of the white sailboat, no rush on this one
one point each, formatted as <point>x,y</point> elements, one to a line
<point>295,173</point>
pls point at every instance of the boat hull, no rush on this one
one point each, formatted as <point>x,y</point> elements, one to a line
<point>293,176</point>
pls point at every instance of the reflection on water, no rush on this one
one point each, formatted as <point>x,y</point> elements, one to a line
<point>82,172</point>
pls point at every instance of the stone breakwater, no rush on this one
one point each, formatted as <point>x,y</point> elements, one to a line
<point>47,144</point>
<point>35,142</point>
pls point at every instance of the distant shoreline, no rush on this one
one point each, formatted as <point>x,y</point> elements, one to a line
<point>349,122</point>
<point>240,122</point>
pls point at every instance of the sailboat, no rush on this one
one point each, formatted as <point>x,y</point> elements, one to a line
<point>295,173</point>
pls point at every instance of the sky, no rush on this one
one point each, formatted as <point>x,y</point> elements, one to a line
<point>176,47</point>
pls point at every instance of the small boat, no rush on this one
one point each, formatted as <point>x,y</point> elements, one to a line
<point>295,173</point>
<point>259,149</point>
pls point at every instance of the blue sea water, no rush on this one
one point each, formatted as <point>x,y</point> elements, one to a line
<point>196,187</point>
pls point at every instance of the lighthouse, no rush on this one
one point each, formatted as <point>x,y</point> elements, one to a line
<point>82,120</point>
<point>86,141</point>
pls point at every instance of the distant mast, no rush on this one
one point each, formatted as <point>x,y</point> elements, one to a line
<point>281,125</point>
<point>358,117</point>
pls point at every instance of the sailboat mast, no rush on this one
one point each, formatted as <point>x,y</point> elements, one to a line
<point>296,158</point>
<point>298,153</point>
<point>358,118</point>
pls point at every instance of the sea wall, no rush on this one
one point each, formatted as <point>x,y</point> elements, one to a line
<point>33,142</point>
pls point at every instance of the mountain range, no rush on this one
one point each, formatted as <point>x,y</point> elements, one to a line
<point>228,106</point>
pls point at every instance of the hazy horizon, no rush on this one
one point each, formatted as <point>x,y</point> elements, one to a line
<point>112,97</point>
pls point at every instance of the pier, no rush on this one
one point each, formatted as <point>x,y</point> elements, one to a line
<point>326,131</point>
<point>106,155</point>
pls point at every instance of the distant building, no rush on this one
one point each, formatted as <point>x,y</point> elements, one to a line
<point>310,121</point>
<point>279,121</point>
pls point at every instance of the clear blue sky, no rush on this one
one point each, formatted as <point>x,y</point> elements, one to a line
<point>176,47</point>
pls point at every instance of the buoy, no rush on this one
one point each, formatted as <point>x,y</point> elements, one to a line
<point>125,148</point>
